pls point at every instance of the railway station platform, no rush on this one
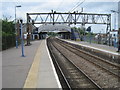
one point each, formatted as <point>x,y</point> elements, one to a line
<point>35,70</point>
<point>108,52</point>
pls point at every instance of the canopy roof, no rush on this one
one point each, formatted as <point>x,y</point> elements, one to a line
<point>56,27</point>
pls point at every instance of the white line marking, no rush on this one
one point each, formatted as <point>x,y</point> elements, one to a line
<point>100,49</point>
<point>93,47</point>
<point>56,76</point>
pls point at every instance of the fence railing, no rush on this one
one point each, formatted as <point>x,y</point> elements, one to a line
<point>101,41</point>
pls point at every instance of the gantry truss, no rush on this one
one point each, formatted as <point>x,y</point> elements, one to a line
<point>69,18</point>
<point>72,18</point>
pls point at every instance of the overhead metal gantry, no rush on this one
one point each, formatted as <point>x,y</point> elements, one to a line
<point>68,18</point>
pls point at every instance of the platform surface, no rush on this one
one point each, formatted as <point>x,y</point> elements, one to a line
<point>47,75</point>
<point>42,73</point>
<point>104,48</point>
<point>35,70</point>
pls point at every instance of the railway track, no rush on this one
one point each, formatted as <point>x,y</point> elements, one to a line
<point>101,72</point>
<point>73,76</point>
<point>106,65</point>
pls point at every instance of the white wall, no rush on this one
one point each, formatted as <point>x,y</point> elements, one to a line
<point>119,14</point>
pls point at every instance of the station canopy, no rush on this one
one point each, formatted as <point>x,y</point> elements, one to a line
<point>54,28</point>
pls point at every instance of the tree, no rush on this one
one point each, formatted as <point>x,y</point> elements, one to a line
<point>8,34</point>
<point>8,27</point>
<point>52,34</point>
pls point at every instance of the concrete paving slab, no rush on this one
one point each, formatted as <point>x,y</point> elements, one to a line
<point>15,68</point>
<point>42,73</point>
<point>104,48</point>
<point>47,76</point>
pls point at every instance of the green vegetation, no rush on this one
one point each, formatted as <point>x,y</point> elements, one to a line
<point>8,34</point>
<point>52,34</point>
<point>84,35</point>
<point>81,31</point>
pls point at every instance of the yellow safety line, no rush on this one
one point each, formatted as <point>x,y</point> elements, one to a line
<point>31,80</point>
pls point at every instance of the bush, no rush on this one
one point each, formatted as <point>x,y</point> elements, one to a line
<point>8,40</point>
<point>8,34</point>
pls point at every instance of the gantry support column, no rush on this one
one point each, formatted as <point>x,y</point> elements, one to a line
<point>28,30</point>
<point>108,29</point>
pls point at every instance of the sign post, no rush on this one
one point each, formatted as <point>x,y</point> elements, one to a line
<point>89,30</point>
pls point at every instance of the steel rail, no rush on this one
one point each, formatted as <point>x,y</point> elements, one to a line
<point>93,56</point>
<point>49,46</point>
<point>92,81</point>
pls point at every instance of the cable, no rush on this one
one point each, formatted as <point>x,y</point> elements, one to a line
<point>77,6</point>
<point>60,5</point>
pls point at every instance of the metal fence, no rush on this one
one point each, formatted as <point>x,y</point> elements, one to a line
<point>92,39</point>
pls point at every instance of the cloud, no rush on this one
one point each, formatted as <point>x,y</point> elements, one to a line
<point>59,0</point>
<point>8,8</point>
<point>31,6</point>
<point>99,7</point>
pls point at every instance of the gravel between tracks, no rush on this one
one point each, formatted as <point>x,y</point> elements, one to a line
<point>103,78</point>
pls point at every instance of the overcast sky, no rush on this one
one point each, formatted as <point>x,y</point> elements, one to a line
<point>100,6</point>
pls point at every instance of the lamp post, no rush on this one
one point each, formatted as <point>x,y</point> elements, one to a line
<point>16,27</point>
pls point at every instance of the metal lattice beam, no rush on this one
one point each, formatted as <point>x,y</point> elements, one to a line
<point>70,18</point>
